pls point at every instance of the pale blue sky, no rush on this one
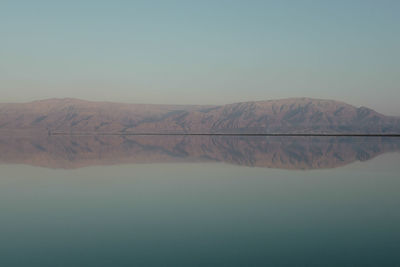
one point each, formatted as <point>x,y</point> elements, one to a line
<point>201,52</point>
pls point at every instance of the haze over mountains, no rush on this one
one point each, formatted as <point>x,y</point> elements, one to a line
<point>294,115</point>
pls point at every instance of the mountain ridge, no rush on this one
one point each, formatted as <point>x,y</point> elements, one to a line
<point>288,115</point>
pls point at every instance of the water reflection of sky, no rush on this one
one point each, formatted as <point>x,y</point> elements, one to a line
<point>200,214</point>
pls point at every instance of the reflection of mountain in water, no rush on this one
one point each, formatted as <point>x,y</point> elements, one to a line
<point>273,152</point>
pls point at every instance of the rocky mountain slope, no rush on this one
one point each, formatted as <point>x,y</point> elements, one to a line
<point>295,115</point>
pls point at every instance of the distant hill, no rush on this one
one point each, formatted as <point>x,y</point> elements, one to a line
<point>294,115</point>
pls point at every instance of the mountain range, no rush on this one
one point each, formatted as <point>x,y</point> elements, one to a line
<point>287,116</point>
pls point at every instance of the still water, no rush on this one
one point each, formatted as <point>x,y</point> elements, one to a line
<point>199,201</point>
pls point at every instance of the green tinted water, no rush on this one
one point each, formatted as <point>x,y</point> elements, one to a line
<point>201,214</point>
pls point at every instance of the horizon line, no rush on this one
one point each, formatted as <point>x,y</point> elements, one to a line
<point>227,134</point>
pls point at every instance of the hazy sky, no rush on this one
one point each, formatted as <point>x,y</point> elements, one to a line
<point>201,52</point>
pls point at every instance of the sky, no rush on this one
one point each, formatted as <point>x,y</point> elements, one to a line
<point>201,52</point>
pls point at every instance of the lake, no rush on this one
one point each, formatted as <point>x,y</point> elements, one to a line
<point>199,201</point>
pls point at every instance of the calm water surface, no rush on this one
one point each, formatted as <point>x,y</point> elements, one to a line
<point>142,201</point>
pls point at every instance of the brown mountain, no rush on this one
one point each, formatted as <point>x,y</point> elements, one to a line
<point>70,152</point>
<point>295,115</point>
